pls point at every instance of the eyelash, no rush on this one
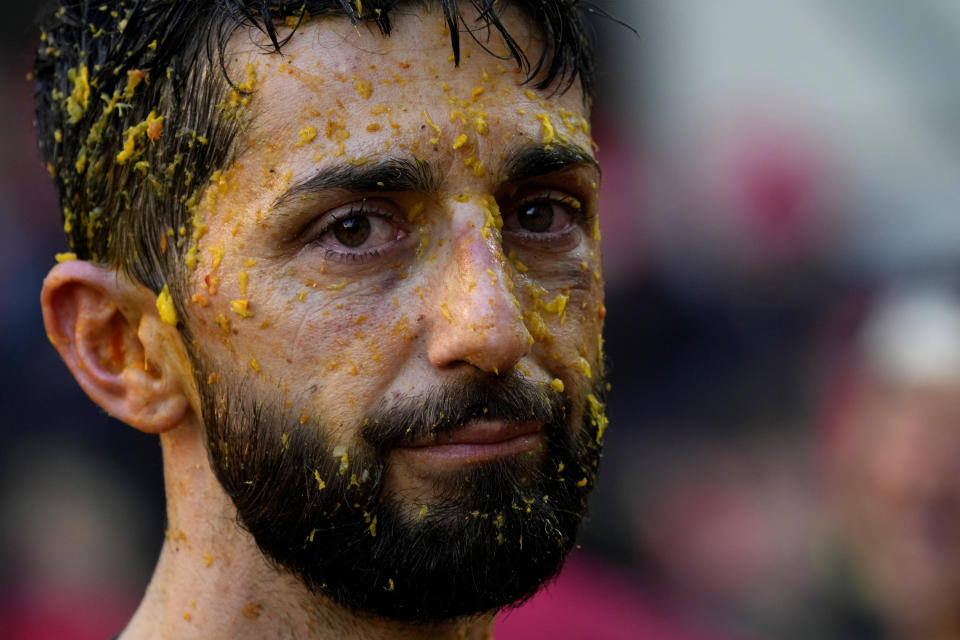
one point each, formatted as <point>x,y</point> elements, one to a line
<point>555,196</point>
<point>354,257</point>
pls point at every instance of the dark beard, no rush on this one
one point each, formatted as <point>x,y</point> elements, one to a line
<point>489,536</point>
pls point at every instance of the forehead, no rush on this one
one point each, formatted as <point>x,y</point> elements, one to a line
<point>331,68</point>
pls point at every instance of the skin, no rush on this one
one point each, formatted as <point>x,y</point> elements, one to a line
<point>431,298</point>
<point>896,498</point>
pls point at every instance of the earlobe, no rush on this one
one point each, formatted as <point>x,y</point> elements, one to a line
<point>106,330</point>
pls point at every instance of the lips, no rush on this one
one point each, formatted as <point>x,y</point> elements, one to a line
<point>477,441</point>
<point>479,432</point>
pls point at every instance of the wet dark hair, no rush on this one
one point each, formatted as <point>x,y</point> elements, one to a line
<point>136,112</point>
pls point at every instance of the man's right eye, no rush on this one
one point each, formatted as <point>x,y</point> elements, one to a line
<point>353,232</point>
<point>358,231</point>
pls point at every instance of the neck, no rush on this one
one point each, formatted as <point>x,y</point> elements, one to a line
<point>212,581</point>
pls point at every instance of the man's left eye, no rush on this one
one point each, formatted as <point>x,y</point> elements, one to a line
<point>548,215</point>
<point>537,217</point>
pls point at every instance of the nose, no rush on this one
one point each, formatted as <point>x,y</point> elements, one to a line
<point>477,319</point>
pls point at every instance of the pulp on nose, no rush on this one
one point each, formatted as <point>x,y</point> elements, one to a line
<point>478,320</point>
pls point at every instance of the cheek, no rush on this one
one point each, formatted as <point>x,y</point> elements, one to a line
<point>343,357</point>
<point>562,308</point>
<point>352,346</point>
<point>577,344</point>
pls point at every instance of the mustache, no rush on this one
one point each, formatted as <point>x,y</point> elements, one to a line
<point>507,398</point>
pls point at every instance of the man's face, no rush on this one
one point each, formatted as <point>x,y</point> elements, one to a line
<point>397,305</point>
<point>900,496</point>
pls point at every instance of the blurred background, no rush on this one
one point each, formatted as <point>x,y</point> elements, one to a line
<point>781,218</point>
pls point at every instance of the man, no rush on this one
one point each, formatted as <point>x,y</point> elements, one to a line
<point>892,449</point>
<point>343,257</point>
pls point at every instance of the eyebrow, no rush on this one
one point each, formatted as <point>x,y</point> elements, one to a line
<point>537,160</point>
<point>415,175</point>
<point>389,174</point>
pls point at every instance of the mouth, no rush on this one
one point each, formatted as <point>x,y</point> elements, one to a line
<point>477,441</point>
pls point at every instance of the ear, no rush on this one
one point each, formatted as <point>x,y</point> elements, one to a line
<point>109,333</point>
